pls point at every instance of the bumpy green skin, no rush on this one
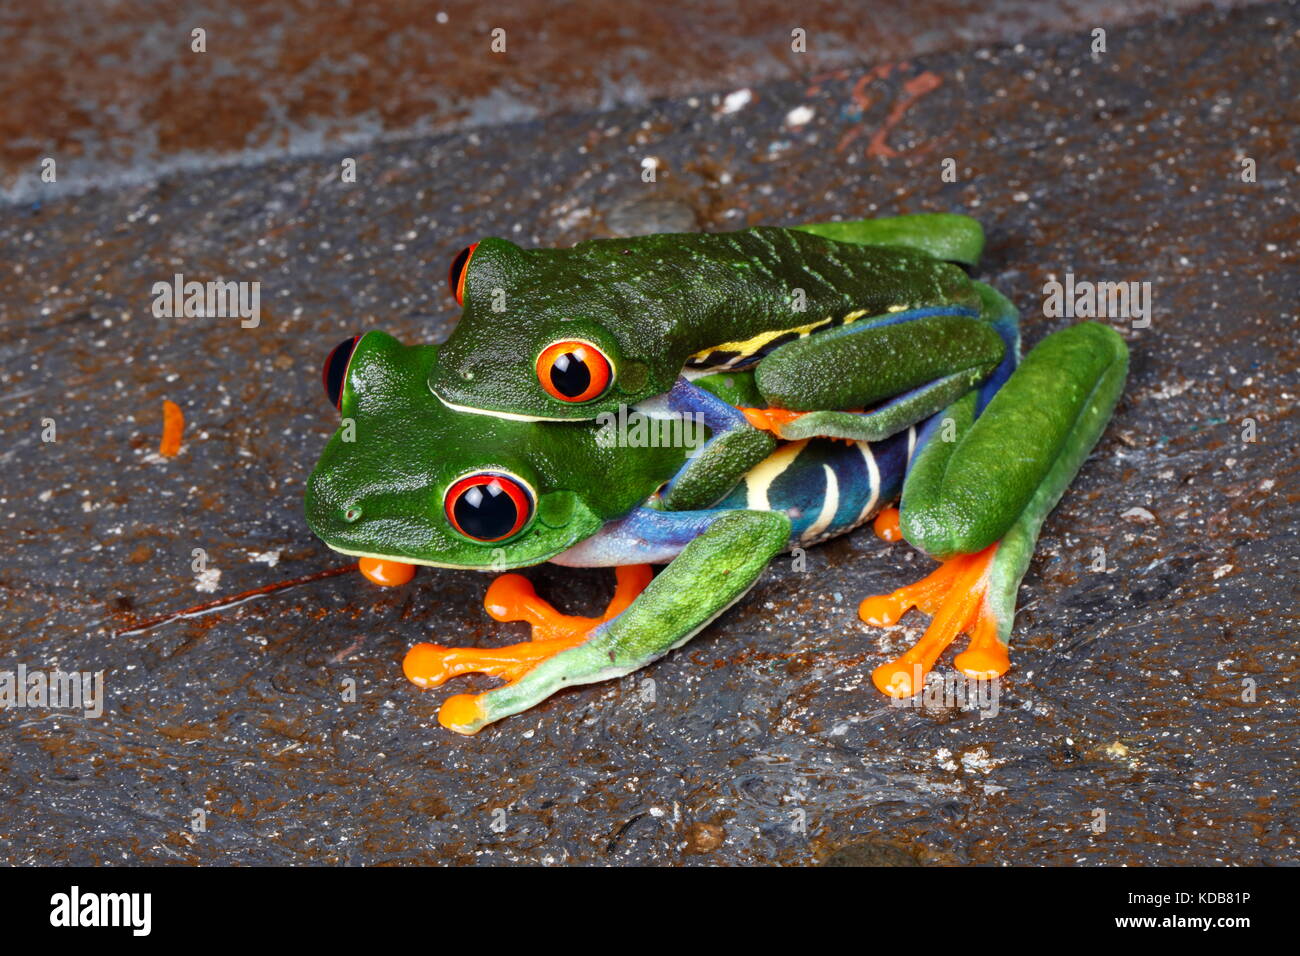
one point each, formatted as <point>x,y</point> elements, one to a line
<point>1016,546</point>
<point>408,449</point>
<point>961,352</point>
<point>961,496</point>
<point>652,302</point>
<point>715,470</point>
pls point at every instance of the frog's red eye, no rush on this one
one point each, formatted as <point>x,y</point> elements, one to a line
<point>574,371</point>
<point>489,506</point>
<point>456,274</point>
<point>335,373</point>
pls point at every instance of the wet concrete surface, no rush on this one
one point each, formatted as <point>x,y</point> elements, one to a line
<point>1160,691</point>
<point>116,90</point>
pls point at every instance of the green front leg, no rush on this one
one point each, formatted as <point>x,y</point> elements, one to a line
<point>712,572</point>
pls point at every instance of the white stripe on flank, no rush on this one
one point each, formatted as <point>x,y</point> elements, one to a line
<point>759,478</point>
<point>911,443</point>
<point>873,478</point>
<point>830,504</point>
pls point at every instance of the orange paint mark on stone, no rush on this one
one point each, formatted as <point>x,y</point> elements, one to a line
<point>173,429</point>
<point>913,90</point>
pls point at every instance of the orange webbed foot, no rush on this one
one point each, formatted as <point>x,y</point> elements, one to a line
<point>511,597</point>
<point>956,595</point>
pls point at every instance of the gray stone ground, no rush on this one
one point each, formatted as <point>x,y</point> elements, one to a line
<point>1131,687</point>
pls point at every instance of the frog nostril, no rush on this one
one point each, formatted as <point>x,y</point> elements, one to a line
<point>352,514</point>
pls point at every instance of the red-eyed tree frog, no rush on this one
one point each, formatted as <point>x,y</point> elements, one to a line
<point>410,480</point>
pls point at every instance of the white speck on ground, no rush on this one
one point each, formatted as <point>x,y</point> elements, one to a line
<point>799,116</point>
<point>738,100</point>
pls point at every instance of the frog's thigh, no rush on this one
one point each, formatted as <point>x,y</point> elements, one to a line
<point>974,478</point>
<point>710,574</point>
<point>918,362</point>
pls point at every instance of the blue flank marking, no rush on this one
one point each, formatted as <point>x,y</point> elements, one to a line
<point>648,535</point>
<point>1009,328</point>
<point>879,323</point>
<point>656,537</point>
<point>686,398</point>
<point>800,490</point>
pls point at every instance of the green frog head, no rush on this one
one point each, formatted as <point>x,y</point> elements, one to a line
<point>556,335</point>
<point>406,478</point>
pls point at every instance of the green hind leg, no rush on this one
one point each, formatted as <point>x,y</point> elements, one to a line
<point>977,502</point>
<point>904,367</point>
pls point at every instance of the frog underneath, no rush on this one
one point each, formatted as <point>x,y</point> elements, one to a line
<point>409,480</point>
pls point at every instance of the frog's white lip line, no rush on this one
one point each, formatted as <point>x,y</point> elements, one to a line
<point>483,411</point>
<point>432,564</point>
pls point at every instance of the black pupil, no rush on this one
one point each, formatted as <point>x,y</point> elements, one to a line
<point>570,375</point>
<point>486,512</point>
<point>336,367</point>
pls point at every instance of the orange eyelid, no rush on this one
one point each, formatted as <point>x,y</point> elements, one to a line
<point>459,269</point>
<point>597,363</point>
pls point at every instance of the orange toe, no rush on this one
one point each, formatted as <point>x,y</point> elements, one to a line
<point>386,573</point>
<point>511,597</point>
<point>426,665</point>
<point>886,525</point>
<point>986,657</point>
<point>769,419</point>
<point>461,713</point>
<point>956,594</point>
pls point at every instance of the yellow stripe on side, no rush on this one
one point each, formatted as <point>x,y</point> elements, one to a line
<point>748,348</point>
